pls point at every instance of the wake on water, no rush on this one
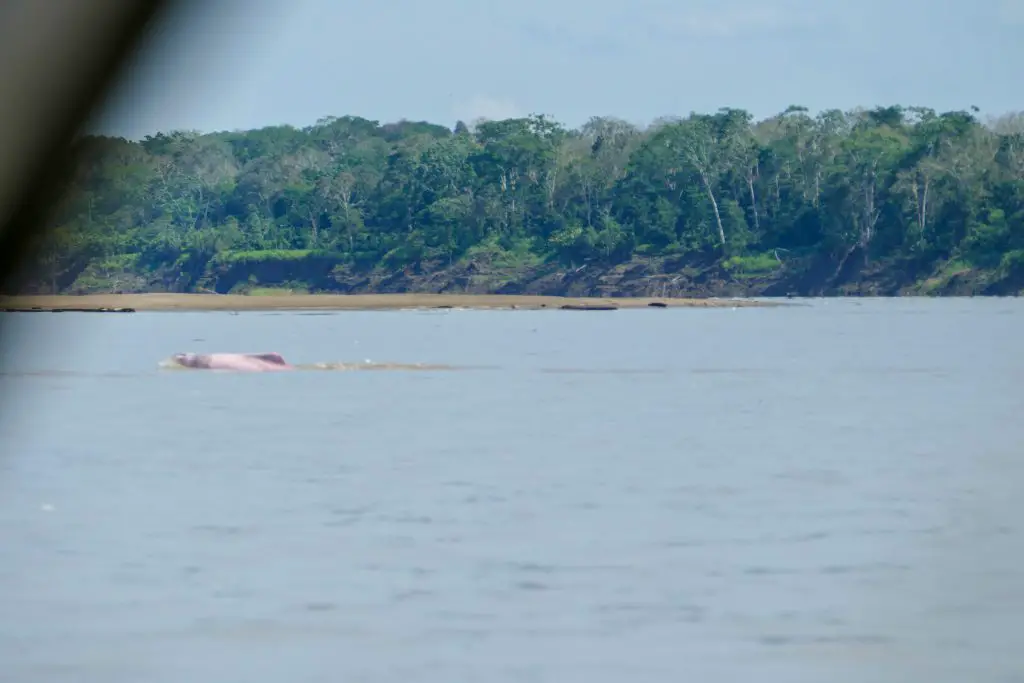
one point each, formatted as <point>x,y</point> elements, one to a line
<point>171,364</point>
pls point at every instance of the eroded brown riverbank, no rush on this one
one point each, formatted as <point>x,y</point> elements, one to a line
<point>343,302</point>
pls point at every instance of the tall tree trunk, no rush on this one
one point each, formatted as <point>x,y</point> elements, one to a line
<point>714,205</point>
<point>753,203</point>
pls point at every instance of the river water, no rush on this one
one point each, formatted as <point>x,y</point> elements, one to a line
<point>825,491</point>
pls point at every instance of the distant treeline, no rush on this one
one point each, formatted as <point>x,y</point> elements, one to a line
<point>859,185</point>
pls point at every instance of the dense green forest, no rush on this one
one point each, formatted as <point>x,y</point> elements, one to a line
<point>886,200</point>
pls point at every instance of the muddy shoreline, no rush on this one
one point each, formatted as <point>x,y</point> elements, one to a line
<point>348,302</point>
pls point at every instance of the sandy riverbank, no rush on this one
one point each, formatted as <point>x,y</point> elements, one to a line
<point>342,302</point>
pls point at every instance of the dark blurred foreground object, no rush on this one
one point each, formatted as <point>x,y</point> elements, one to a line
<point>59,59</point>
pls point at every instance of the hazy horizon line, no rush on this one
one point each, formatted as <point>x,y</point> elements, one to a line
<point>974,111</point>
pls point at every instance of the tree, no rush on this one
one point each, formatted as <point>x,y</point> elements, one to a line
<point>891,184</point>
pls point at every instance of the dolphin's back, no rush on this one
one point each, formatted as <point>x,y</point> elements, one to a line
<point>270,357</point>
<point>245,362</point>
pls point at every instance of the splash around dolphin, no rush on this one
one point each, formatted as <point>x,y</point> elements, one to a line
<point>237,362</point>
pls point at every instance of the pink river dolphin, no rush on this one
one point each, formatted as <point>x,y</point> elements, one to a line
<point>239,362</point>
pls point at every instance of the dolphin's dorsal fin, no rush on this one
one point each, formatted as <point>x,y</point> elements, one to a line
<point>271,357</point>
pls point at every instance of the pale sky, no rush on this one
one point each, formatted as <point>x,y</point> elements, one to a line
<point>241,64</point>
